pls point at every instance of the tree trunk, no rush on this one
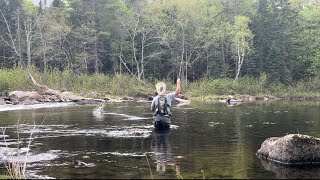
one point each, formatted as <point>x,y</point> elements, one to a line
<point>17,48</point>
<point>96,61</point>
<point>241,54</point>
<point>28,41</point>
<point>142,54</point>
<point>42,87</point>
<point>44,47</point>
<point>135,55</point>
<point>223,57</point>
<point>96,58</point>
<point>19,38</point>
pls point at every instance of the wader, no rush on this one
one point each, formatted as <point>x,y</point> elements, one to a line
<point>161,123</point>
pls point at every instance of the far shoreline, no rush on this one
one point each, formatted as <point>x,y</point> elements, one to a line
<point>32,98</point>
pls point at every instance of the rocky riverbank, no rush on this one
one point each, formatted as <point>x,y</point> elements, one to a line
<point>52,96</point>
<point>49,96</point>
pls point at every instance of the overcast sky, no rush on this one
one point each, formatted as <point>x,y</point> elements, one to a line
<point>36,2</point>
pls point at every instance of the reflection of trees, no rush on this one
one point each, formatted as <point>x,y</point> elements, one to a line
<point>228,150</point>
<point>224,150</point>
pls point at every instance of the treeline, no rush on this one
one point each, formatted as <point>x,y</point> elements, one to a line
<point>165,39</point>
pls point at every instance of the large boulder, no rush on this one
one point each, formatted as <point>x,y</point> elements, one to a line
<point>24,95</point>
<point>291,149</point>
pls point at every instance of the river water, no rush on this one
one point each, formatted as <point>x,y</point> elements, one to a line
<point>207,140</point>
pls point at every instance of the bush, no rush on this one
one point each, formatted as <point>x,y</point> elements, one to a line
<point>14,79</point>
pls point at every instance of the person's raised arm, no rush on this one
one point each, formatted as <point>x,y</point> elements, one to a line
<point>178,87</point>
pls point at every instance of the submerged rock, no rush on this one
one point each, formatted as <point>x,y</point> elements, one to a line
<point>283,171</point>
<point>291,149</point>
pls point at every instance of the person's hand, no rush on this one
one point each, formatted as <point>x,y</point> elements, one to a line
<point>178,81</point>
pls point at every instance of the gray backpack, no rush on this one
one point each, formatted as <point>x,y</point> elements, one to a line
<point>162,105</point>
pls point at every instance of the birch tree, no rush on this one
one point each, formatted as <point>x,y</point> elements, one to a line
<point>21,40</point>
<point>241,42</point>
<point>140,30</point>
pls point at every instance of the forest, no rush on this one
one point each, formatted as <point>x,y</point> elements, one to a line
<point>274,41</point>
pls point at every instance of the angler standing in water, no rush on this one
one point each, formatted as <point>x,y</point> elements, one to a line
<point>162,105</point>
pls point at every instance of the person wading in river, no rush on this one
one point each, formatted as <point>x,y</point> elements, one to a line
<point>161,106</point>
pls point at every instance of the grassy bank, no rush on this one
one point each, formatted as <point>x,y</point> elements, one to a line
<point>100,85</point>
<point>3,176</point>
<point>217,88</point>
<point>95,85</point>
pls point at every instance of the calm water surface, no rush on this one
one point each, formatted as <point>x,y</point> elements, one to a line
<point>207,140</point>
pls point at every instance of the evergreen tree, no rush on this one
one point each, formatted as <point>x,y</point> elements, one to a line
<point>57,3</point>
<point>40,8</point>
<point>275,32</point>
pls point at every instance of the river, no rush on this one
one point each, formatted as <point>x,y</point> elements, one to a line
<point>207,140</point>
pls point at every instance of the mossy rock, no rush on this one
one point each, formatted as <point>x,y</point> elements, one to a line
<point>292,149</point>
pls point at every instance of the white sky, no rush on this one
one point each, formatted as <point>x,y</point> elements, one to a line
<point>36,2</point>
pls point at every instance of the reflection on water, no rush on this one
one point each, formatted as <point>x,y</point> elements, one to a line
<point>163,155</point>
<point>291,172</point>
<point>214,140</point>
<point>128,117</point>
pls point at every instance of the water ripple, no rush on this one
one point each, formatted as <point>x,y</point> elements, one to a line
<point>129,117</point>
<point>11,155</point>
<point>10,107</point>
<point>47,131</point>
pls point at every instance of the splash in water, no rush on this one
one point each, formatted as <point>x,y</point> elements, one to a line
<point>98,111</point>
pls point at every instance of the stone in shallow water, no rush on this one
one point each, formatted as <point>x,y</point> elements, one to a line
<point>283,171</point>
<point>291,149</point>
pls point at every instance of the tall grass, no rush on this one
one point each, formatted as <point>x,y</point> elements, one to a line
<point>16,163</point>
<point>251,86</point>
<point>5,176</point>
<point>115,85</point>
<point>125,85</point>
<point>14,79</point>
<point>220,87</point>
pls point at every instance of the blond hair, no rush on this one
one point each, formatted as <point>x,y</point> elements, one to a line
<point>161,87</point>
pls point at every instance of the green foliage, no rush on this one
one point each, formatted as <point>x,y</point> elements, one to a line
<point>315,66</point>
<point>14,79</point>
<point>5,176</point>
<point>116,85</point>
<point>125,85</point>
<point>29,7</point>
<point>244,85</point>
<point>277,41</point>
<point>252,86</point>
<point>57,3</point>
